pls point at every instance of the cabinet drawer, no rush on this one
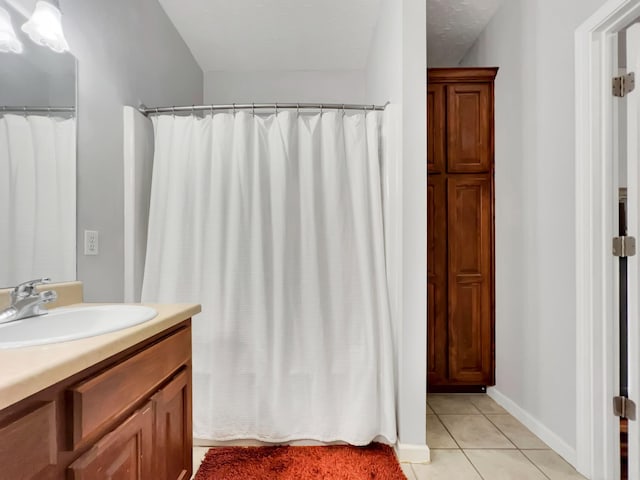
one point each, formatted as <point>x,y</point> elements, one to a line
<point>29,444</point>
<point>103,398</point>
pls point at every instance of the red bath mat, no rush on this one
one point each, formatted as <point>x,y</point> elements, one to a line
<point>340,462</point>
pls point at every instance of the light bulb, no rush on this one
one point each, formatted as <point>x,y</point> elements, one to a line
<point>45,27</point>
<point>8,40</point>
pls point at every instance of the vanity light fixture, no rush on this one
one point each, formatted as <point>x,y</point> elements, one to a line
<point>8,40</point>
<point>45,26</point>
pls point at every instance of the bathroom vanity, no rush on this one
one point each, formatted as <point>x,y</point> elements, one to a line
<point>116,405</point>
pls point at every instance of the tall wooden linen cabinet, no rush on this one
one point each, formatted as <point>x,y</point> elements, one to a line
<point>460,229</point>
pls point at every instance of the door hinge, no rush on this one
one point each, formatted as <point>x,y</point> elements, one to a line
<point>624,84</point>
<point>624,246</point>
<point>624,408</point>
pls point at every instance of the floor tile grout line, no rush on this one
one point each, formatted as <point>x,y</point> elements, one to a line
<point>482,448</point>
<point>489,448</point>
<point>500,430</point>
<point>514,443</point>
<point>465,453</point>
<point>450,434</point>
<point>503,433</point>
<point>508,450</point>
<point>462,450</point>
<point>535,465</point>
<point>472,464</point>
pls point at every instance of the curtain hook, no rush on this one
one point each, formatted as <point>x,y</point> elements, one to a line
<point>193,109</point>
<point>276,109</point>
<point>234,109</point>
<point>297,109</point>
<point>343,110</point>
<point>212,110</point>
<point>253,109</point>
<point>157,111</point>
<point>173,111</point>
<point>49,112</point>
<point>321,109</point>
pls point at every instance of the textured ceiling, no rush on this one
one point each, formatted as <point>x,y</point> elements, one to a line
<point>453,26</point>
<point>241,35</point>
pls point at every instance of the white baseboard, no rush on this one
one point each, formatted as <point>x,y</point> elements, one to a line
<point>408,453</point>
<point>556,443</point>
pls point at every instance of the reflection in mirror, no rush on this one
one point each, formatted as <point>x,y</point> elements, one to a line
<point>37,161</point>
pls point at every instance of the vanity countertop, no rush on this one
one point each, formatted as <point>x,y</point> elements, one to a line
<point>28,370</point>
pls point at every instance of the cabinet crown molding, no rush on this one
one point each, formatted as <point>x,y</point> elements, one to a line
<point>467,75</point>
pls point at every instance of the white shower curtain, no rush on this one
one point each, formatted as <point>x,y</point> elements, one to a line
<point>37,198</point>
<point>275,224</point>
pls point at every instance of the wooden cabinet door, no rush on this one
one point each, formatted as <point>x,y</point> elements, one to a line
<point>469,128</point>
<point>470,238</point>
<point>124,454</point>
<point>173,429</point>
<point>28,445</point>
<point>437,279</point>
<point>436,129</point>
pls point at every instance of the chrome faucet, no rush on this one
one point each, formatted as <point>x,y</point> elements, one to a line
<point>26,302</point>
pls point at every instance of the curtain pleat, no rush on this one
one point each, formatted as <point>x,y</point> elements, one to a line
<point>274,224</point>
<point>37,198</point>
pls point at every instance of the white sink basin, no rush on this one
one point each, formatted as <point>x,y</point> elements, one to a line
<point>71,323</point>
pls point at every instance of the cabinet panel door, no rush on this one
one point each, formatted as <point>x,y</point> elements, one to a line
<point>124,454</point>
<point>469,128</point>
<point>173,429</point>
<point>28,448</point>
<point>470,279</point>
<point>436,128</point>
<point>436,279</point>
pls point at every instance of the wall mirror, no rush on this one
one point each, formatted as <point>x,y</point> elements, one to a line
<point>37,160</point>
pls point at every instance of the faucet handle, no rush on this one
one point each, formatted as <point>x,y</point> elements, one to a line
<point>26,289</point>
<point>48,296</point>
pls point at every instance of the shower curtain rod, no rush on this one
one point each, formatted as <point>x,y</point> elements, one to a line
<point>258,106</point>
<point>26,109</point>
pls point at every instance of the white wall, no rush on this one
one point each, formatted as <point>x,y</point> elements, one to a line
<point>533,44</point>
<point>138,171</point>
<point>37,76</point>
<point>335,86</point>
<point>384,66</point>
<point>396,72</point>
<point>128,52</point>
<point>23,84</point>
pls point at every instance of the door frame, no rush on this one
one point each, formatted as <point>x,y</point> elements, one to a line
<point>597,438</point>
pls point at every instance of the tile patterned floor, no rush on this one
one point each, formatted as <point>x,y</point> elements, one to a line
<point>198,457</point>
<point>472,438</point>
